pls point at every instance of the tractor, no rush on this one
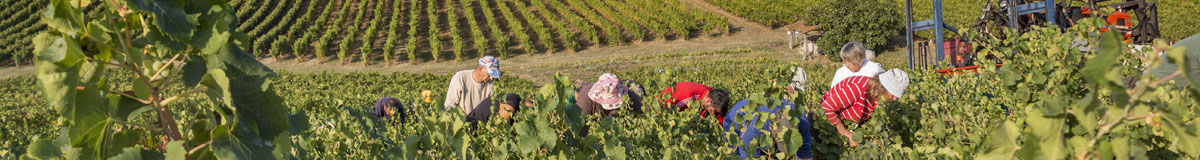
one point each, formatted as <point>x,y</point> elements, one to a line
<point>1137,19</point>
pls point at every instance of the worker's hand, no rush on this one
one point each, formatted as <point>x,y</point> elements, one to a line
<point>790,89</point>
<point>852,142</point>
<point>846,133</point>
<point>850,137</point>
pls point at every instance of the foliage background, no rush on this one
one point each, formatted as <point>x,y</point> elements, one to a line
<point>873,23</point>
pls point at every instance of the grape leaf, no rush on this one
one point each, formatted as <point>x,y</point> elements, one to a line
<point>59,14</point>
<point>213,34</point>
<point>1003,142</point>
<point>57,70</point>
<point>169,17</point>
<point>175,151</point>
<point>136,153</point>
<point>43,149</point>
<point>1098,70</point>
<point>1048,132</point>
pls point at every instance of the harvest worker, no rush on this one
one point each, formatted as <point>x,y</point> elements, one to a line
<point>506,109</point>
<point>855,63</point>
<point>389,108</point>
<point>798,82</point>
<point>855,98</point>
<point>604,97</point>
<point>747,132</point>
<point>1168,66</point>
<point>713,101</point>
<point>469,88</point>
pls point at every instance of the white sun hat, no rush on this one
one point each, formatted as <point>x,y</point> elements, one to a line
<point>894,81</point>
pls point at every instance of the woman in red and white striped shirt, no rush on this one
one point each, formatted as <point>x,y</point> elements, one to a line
<point>855,98</point>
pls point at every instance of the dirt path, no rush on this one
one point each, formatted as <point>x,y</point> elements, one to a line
<point>745,34</point>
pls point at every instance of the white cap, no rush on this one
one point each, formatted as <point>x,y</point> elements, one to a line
<point>895,81</point>
<point>799,80</point>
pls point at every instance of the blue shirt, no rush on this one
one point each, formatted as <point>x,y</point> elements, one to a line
<point>748,133</point>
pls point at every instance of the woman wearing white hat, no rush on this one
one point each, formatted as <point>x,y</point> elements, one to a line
<point>855,98</point>
<point>604,97</point>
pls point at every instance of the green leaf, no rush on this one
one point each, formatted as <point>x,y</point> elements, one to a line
<point>98,31</point>
<point>123,139</point>
<point>218,87</point>
<point>58,84</point>
<point>795,141</point>
<point>1098,70</point>
<point>168,18</point>
<point>141,89</point>
<point>1053,106</point>
<point>175,151</point>
<point>527,140</point>
<point>549,138</point>
<point>214,31</point>
<point>229,146</point>
<point>1185,136</point>
<point>283,146</point>
<point>298,122</point>
<point>412,145</point>
<point>1086,113</point>
<point>194,71</point>
<point>43,149</point>
<point>136,153</point>
<point>54,48</point>
<point>1079,144</point>
<point>614,151</point>
<point>1120,147</point>
<point>1047,131</point>
<point>254,112</point>
<point>1003,142</point>
<point>60,15</point>
<point>90,123</point>
<point>163,43</point>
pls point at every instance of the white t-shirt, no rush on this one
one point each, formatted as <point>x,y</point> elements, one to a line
<point>464,93</point>
<point>869,70</point>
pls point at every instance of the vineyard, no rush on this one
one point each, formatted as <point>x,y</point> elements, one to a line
<point>313,29</point>
<point>21,22</point>
<point>369,31</point>
<point>949,117</point>
<point>180,79</point>
<point>772,13</point>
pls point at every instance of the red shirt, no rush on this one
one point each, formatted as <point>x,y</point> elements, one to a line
<point>683,93</point>
<point>848,100</point>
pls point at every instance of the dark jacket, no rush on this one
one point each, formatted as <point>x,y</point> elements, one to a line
<point>483,112</point>
<point>380,111</point>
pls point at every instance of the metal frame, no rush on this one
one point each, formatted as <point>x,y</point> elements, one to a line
<point>938,24</point>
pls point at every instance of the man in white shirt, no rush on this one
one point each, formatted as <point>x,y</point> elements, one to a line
<point>469,88</point>
<point>855,63</point>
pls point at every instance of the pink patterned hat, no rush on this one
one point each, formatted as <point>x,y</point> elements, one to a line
<point>607,91</point>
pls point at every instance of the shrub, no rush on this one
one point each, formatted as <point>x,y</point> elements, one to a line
<point>871,22</point>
